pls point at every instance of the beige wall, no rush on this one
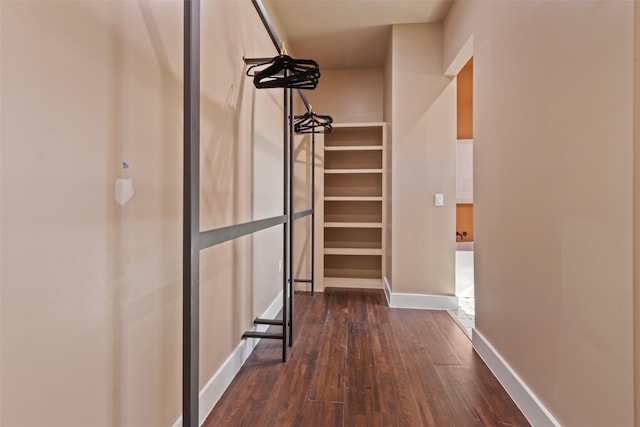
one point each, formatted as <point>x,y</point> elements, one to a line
<point>353,95</point>
<point>423,163</point>
<point>302,202</point>
<point>91,291</point>
<point>553,192</point>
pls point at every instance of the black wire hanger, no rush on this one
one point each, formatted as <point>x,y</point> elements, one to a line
<point>284,71</point>
<point>311,122</point>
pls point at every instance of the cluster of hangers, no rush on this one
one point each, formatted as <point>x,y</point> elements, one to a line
<point>284,71</point>
<point>311,122</point>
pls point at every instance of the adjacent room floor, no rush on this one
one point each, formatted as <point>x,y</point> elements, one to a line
<point>465,286</point>
<point>466,313</point>
<point>357,362</point>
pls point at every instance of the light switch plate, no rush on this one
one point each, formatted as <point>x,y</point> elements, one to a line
<point>439,199</point>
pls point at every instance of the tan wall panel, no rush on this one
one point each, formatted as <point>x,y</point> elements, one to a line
<point>91,290</point>
<point>553,197</point>
<point>353,95</point>
<point>423,163</point>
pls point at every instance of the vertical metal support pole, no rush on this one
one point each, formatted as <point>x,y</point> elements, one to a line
<point>287,225</point>
<point>191,214</point>
<point>313,206</point>
<point>291,212</point>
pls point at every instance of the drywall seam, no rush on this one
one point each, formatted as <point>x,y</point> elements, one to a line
<point>216,386</point>
<point>532,408</point>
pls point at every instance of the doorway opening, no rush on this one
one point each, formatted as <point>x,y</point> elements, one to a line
<point>464,278</point>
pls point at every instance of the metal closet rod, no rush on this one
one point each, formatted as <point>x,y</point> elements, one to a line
<point>264,17</point>
<point>224,234</point>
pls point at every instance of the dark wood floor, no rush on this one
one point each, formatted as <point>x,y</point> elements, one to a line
<point>357,362</point>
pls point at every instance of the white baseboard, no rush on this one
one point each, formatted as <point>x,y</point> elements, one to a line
<point>305,287</point>
<point>216,386</point>
<point>423,301</point>
<point>535,412</point>
<point>352,283</point>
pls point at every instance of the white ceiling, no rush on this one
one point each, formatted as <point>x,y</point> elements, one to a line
<point>347,33</point>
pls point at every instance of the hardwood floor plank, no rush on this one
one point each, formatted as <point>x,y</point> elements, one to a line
<point>357,305</point>
<point>385,348</point>
<point>362,405</point>
<point>290,402</point>
<point>300,375</point>
<point>323,414</point>
<point>247,397</point>
<point>455,336</point>
<point>431,339</point>
<point>318,308</point>
<point>433,403</point>
<point>472,385</point>
<point>328,379</point>
<point>479,401</point>
<point>398,405</point>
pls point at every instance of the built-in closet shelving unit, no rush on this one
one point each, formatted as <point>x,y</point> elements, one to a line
<point>354,200</point>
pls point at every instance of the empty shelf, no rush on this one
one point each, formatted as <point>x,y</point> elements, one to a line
<point>352,251</point>
<point>337,171</point>
<point>354,148</point>
<point>353,199</point>
<point>353,224</point>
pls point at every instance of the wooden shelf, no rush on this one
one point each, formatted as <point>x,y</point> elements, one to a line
<point>353,184</point>
<point>348,159</point>
<point>353,273</point>
<point>352,251</point>
<point>353,241</point>
<point>353,224</point>
<point>374,125</point>
<point>353,211</point>
<point>350,282</point>
<point>345,171</point>
<point>352,134</point>
<point>354,148</point>
<point>353,198</point>
<point>354,218</point>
